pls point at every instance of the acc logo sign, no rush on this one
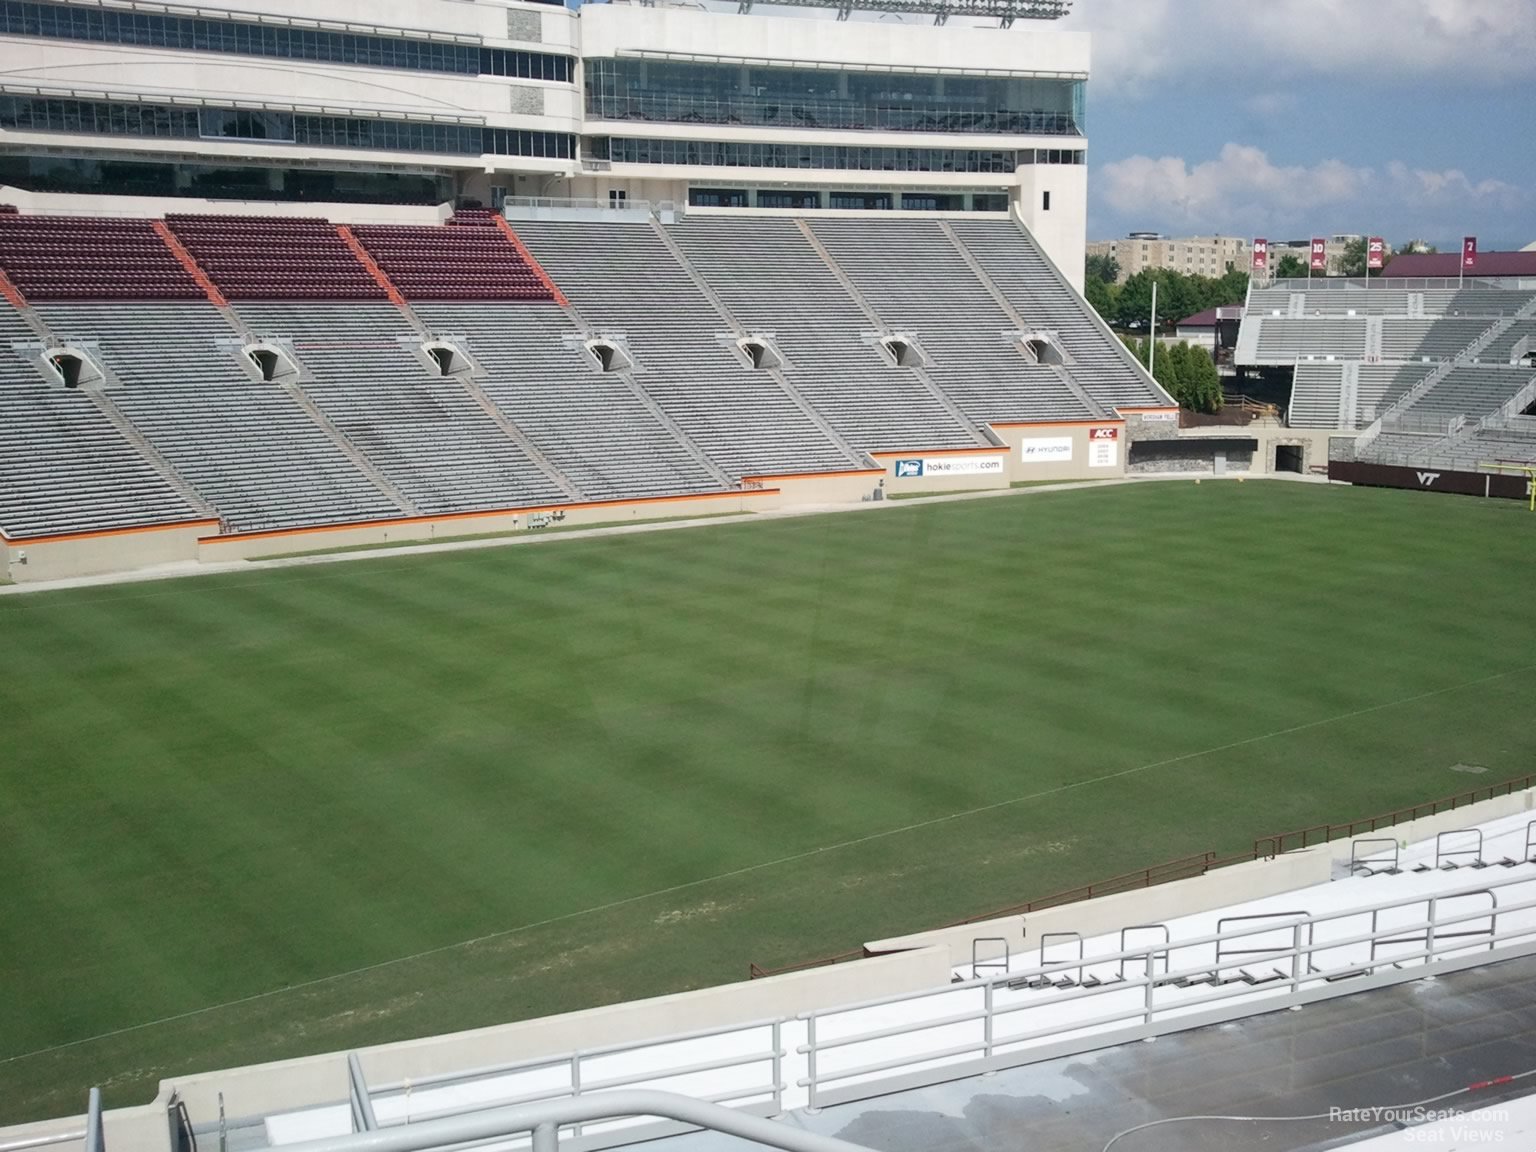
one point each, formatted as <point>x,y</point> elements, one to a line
<point>908,468</point>
<point>1426,479</point>
<point>1103,433</point>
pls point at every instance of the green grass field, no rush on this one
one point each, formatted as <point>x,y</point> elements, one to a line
<point>259,815</point>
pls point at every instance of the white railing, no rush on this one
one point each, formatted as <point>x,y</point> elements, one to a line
<point>544,1123</point>
<point>962,1030</point>
<point>748,1078</point>
<point>1070,999</point>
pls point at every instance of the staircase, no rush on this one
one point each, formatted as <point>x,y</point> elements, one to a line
<point>515,434</point>
<point>984,435</point>
<point>125,427</point>
<point>776,375</point>
<point>1002,301</point>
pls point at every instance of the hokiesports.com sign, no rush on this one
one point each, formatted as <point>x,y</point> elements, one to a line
<point>949,466</point>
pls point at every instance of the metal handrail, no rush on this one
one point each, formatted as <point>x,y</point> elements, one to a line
<point>43,1141</point>
<point>1107,958</point>
<point>1277,843</point>
<point>487,1071</point>
<point>544,1121</point>
<point>1437,943</point>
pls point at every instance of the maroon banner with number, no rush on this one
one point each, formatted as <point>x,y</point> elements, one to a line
<point>1319,255</point>
<point>1469,252</point>
<point>1375,252</point>
<point>1260,255</point>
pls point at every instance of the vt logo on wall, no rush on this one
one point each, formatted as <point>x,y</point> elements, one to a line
<point>1427,479</point>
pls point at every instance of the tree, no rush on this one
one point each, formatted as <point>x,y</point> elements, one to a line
<point>1104,268</point>
<point>1204,381</point>
<point>1101,296</point>
<point>1177,382</point>
<point>1352,262</point>
<point>1290,267</point>
<point>1178,295</point>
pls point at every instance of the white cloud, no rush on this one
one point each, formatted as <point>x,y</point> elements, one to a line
<point>1242,192</point>
<point>1471,42</point>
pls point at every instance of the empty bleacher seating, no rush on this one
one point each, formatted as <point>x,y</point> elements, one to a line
<point>772,280</point>
<point>1471,390</point>
<point>1100,364</point>
<point>470,259</point>
<point>589,424</point>
<point>1281,340</point>
<point>620,276</point>
<point>367,430</point>
<point>64,467</point>
<point>275,258</point>
<point>86,258</point>
<point>1430,339</point>
<point>950,313</point>
<point>245,446</point>
<point>1502,347</point>
<point>425,433</point>
<point>1383,385</point>
<point>1316,396</point>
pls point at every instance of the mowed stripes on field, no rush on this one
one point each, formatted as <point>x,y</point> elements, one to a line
<point>628,766</point>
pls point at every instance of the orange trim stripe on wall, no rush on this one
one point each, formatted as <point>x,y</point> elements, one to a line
<point>189,262</point>
<point>538,269</point>
<point>64,537</point>
<point>11,292</point>
<point>484,513</point>
<point>367,261</point>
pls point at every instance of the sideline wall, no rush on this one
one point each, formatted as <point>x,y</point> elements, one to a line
<point>851,487</point>
<point>945,470</point>
<point>254,545</point>
<point>1070,450</point>
<point>94,553</point>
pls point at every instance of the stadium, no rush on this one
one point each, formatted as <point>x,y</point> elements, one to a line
<point>533,625</point>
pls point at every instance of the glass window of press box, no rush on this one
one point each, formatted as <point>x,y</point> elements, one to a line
<point>733,154</point>
<point>677,92</point>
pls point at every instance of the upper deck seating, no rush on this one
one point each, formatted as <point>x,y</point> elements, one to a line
<point>275,258</point>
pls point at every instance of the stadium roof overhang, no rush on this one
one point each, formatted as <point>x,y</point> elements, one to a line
<point>1004,11</point>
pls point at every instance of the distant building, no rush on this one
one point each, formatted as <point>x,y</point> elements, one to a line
<point>1302,249</point>
<point>1194,255</point>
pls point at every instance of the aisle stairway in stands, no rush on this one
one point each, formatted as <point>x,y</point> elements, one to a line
<point>620,277</point>
<point>589,423</point>
<point>773,283</point>
<point>962,329</point>
<point>246,447</point>
<point>276,373</point>
<point>424,433</point>
<point>63,466</point>
<point>1100,363</point>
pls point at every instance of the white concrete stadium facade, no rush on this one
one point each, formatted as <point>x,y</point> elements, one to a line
<point>52,83</point>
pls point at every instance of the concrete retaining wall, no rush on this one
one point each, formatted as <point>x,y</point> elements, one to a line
<point>424,530</point>
<point>93,553</point>
<point>1072,450</point>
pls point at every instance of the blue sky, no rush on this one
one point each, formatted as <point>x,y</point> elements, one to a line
<point>1295,118</point>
